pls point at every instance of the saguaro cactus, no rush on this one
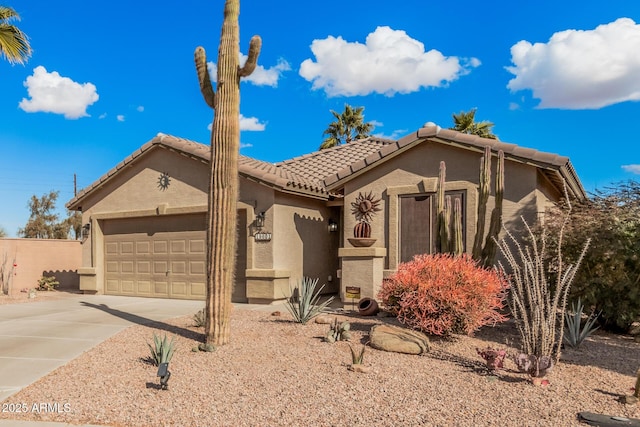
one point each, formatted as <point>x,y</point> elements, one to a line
<point>442,242</point>
<point>449,221</point>
<point>490,245</point>
<point>223,180</point>
<point>483,197</point>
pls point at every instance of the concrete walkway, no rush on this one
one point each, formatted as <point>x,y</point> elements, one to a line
<point>36,338</point>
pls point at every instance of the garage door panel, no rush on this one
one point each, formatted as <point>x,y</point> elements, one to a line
<point>126,267</point>
<point>127,286</point>
<point>179,289</point>
<point>161,256</point>
<point>196,246</point>
<point>198,289</point>
<point>197,267</point>
<point>160,247</point>
<point>160,267</point>
<point>143,248</point>
<point>161,288</point>
<point>178,247</point>
<point>179,267</point>
<point>112,267</point>
<point>143,267</point>
<point>143,287</point>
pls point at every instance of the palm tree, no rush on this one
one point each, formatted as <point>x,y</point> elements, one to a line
<point>348,126</point>
<point>14,44</point>
<point>465,122</point>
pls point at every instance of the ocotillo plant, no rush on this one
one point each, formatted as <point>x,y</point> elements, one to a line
<point>223,180</point>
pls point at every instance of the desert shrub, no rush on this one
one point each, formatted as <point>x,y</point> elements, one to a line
<point>609,279</point>
<point>47,283</point>
<point>443,294</point>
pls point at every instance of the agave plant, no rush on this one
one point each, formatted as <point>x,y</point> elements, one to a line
<point>576,333</point>
<point>304,303</point>
<point>162,350</point>
<point>357,357</point>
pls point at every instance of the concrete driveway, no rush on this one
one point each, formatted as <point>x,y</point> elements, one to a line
<point>38,337</point>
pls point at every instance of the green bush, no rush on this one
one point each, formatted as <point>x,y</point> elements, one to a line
<point>609,279</point>
<point>47,283</point>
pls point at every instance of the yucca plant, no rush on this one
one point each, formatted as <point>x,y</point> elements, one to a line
<point>576,333</point>
<point>304,303</point>
<point>162,350</point>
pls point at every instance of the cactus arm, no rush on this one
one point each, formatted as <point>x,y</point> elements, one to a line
<point>442,241</point>
<point>254,51</point>
<point>483,196</point>
<point>489,250</point>
<point>208,93</point>
<point>456,238</point>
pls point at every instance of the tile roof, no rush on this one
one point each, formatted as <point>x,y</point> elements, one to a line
<point>321,173</point>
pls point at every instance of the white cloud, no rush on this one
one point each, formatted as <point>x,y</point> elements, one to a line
<point>632,169</point>
<point>140,109</point>
<point>389,62</point>
<point>376,123</point>
<point>52,93</point>
<point>394,135</point>
<point>102,116</point>
<point>245,145</point>
<point>514,106</point>
<point>261,76</point>
<point>120,118</point>
<point>247,124</point>
<point>580,69</point>
<point>251,124</point>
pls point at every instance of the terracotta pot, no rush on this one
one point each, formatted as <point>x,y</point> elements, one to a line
<point>368,307</point>
<point>361,242</point>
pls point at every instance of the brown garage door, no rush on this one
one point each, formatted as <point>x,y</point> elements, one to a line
<point>156,257</point>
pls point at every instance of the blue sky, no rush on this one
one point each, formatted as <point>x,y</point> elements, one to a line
<point>106,77</point>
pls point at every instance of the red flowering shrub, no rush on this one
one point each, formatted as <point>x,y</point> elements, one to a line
<point>444,294</point>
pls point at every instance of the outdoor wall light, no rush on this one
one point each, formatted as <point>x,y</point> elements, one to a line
<point>260,220</point>
<point>164,374</point>
<point>333,226</point>
<point>85,230</point>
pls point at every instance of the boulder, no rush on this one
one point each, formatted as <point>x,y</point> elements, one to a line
<point>324,319</point>
<point>399,340</point>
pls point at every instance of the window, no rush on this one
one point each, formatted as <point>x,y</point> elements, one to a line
<point>418,228</point>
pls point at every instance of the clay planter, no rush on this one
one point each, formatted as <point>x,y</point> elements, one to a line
<point>361,242</point>
<point>367,307</point>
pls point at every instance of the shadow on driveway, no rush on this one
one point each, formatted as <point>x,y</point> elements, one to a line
<point>154,324</point>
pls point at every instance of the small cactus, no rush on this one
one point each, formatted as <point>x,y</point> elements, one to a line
<point>362,230</point>
<point>339,331</point>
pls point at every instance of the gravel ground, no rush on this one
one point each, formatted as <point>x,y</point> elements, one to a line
<point>279,373</point>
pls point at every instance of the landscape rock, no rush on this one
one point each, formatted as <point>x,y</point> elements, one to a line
<point>634,329</point>
<point>324,320</point>
<point>398,340</point>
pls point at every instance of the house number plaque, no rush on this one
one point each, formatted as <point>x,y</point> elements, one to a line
<point>352,292</point>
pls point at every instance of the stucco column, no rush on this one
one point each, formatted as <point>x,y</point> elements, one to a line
<point>362,268</point>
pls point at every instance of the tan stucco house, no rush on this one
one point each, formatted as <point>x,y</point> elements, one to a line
<point>144,220</point>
